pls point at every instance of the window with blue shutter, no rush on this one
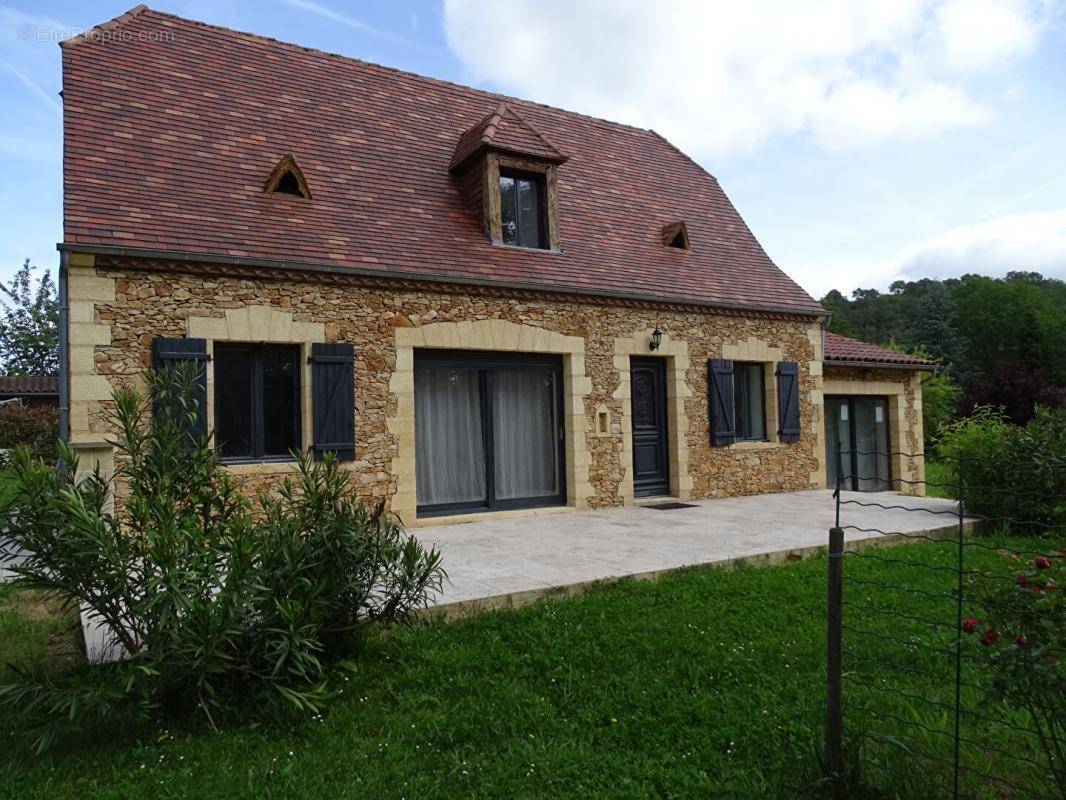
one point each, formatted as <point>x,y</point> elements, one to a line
<point>720,398</point>
<point>333,400</point>
<point>788,413</point>
<point>167,354</point>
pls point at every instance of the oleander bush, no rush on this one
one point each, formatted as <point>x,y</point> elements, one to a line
<point>214,607</point>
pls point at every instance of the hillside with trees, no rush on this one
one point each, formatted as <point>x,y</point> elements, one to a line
<point>1001,341</point>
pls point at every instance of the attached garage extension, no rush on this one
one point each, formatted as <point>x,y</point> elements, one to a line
<point>873,417</point>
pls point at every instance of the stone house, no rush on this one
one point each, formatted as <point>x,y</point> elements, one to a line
<point>479,303</point>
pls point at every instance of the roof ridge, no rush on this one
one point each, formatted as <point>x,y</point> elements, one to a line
<point>491,122</point>
<point>111,24</point>
<point>504,98</point>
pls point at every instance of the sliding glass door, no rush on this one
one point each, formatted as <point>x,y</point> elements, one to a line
<point>857,443</point>
<point>488,431</point>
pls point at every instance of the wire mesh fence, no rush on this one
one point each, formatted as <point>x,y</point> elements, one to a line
<point>944,670</point>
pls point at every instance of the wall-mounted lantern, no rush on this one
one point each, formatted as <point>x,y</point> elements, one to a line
<point>656,338</point>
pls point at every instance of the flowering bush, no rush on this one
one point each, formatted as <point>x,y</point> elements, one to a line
<point>1023,641</point>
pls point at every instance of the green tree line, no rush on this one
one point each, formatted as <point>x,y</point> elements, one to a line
<point>1000,341</point>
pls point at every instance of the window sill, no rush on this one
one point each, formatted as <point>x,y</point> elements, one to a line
<point>255,466</point>
<point>760,444</point>
<point>550,250</point>
<point>482,516</point>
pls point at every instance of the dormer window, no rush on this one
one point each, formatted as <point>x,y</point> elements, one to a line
<point>522,217</point>
<point>506,170</point>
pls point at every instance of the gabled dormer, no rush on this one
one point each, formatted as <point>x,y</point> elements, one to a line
<point>507,170</point>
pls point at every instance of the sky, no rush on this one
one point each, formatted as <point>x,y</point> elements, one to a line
<point>863,141</point>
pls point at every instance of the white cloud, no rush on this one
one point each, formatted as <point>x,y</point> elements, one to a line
<point>1032,241</point>
<point>978,34</point>
<point>721,77</point>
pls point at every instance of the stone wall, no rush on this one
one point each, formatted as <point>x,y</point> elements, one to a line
<point>903,388</point>
<point>124,310</point>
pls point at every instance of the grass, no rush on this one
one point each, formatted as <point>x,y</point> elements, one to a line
<point>938,478</point>
<point>705,683</point>
<point>31,630</point>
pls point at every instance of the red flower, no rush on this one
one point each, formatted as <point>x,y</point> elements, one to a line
<point>1022,579</point>
<point>1021,641</point>
<point>1042,562</point>
<point>989,637</point>
<point>970,625</point>
<point>1054,659</point>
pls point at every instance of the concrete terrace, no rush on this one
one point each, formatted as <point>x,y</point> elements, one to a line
<point>510,562</point>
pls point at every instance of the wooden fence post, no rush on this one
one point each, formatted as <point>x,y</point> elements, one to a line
<point>834,733</point>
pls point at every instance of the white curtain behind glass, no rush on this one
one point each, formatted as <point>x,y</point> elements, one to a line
<point>449,448</point>
<point>524,429</point>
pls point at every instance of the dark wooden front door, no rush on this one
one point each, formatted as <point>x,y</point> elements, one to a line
<point>651,457</point>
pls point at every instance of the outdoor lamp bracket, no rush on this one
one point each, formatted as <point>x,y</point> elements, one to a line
<point>656,339</point>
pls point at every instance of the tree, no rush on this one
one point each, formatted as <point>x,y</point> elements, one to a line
<point>29,325</point>
<point>934,327</point>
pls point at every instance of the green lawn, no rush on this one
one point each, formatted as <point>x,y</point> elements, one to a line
<point>30,630</point>
<point>937,480</point>
<point>707,683</point>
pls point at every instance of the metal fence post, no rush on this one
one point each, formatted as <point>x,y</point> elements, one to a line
<point>834,739</point>
<point>959,588</point>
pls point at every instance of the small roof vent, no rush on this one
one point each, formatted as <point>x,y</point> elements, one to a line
<point>287,179</point>
<point>676,235</point>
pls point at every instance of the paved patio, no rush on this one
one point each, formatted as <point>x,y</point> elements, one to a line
<point>509,562</point>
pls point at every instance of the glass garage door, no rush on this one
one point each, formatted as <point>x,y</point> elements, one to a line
<point>488,431</point>
<point>857,443</point>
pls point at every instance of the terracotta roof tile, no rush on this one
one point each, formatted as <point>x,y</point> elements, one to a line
<point>844,349</point>
<point>506,131</point>
<point>29,384</point>
<point>171,131</point>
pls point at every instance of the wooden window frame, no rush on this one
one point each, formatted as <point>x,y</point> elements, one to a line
<point>494,164</point>
<point>258,423</point>
<point>485,363</point>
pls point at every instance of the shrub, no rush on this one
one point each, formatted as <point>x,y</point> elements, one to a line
<point>940,399</point>
<point>208,604</point>
<point>35,427</point>
<point>1013,474</point>
<point>1022,641</point>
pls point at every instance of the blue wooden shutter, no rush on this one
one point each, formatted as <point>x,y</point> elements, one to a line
<point>333,400</point>
<point>720,398</point>
<point>168,353</point>
<point>788,414</point>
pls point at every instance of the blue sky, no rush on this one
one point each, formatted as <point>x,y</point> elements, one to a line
<point>863,141</point>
